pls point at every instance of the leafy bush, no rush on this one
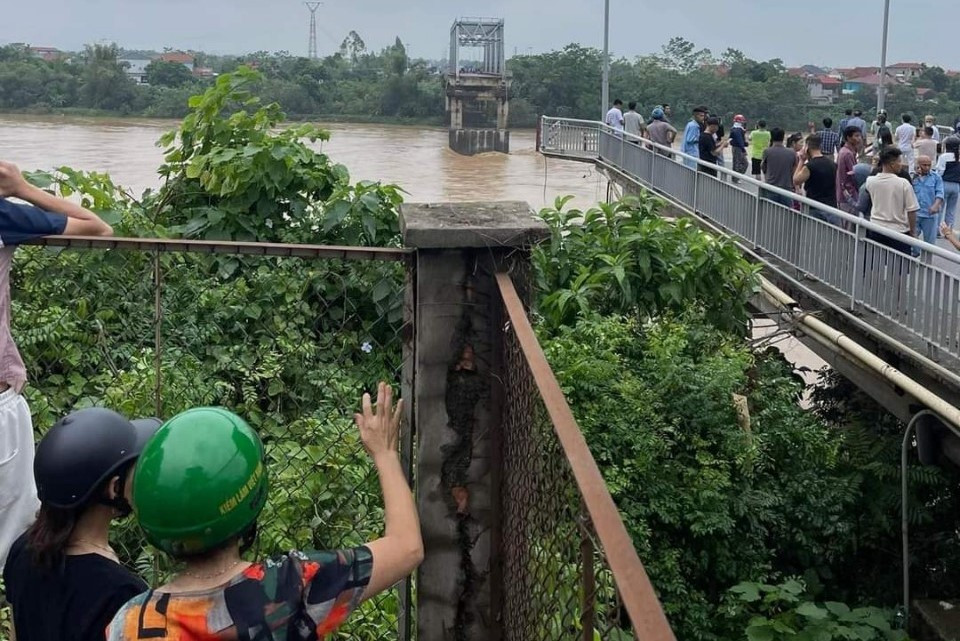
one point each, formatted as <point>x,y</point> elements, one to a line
<point>288,343</point>
<point>781,612</point>
<point>708,503</point>
<point>624,258</point>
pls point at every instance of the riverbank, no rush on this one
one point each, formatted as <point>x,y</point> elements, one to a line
<point>355,119</point>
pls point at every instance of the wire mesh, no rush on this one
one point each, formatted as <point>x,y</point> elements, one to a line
<point>289,343</point>
<point>557,582</point>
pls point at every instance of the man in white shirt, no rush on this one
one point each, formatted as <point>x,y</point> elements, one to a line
<point>890,202</point>
<point>633,124</point>
<point>905,136</point>
<point>615,115</point>
<point>930,121</point>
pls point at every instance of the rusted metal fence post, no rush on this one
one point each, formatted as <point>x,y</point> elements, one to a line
<point>457,399</point>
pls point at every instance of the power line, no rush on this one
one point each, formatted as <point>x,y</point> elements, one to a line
<point>312,47</point>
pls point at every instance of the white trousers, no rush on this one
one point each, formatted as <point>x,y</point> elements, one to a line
<point>18,491</point>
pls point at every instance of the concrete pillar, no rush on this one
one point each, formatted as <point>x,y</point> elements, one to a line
<point>457,404</point>
<point>503,113</point>
<point>456,113</point>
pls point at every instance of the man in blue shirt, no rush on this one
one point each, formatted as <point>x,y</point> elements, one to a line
<point>691,136</point>
<point>45,215</point>
<point>928,185</point>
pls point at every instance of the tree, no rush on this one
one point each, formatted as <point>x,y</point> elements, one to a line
<point>168,74</point>
<point>682,55</point>
<point>353,47</point>
<point>105,84</point>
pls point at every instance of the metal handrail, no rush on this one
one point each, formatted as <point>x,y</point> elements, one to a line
<point>743,178</point>
<point>852,257</point>
<point>163,245</point>
<point>636,591</point>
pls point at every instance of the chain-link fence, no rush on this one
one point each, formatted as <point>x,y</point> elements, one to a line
<point>567,557</point>
<point>286,336</point>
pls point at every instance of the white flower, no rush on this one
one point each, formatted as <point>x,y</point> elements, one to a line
<point>367,348</point>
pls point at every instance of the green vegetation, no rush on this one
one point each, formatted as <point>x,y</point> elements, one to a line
<point>355,83</point>
<point>782,522</point>
<point>651,364</point>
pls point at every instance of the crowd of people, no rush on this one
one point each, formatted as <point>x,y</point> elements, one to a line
<point>904,178</point>
<point>196,483</point>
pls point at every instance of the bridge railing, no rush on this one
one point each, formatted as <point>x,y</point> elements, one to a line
<point>858,259</point>
<point>570,570</point>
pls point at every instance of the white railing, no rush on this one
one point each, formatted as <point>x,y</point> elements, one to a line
<point>847,253</point>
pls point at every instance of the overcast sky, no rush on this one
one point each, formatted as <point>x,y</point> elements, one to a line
<point>797,32</point>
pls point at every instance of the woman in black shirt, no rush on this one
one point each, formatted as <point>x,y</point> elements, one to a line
<point>64,582</point>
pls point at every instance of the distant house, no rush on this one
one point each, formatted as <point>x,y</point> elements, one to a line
<point>924,93</point>
<point>50,54</point>
<point>188,60</point>
<point>824,89</point>
<point>906,71</point>
<point>853,85</point>
<point>204,73</point>
<point>136,69</point>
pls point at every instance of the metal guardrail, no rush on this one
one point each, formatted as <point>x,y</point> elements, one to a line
<point>920,294</point>
<point>570,570</point>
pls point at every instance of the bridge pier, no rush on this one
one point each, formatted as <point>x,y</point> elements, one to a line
<point>471,91</point>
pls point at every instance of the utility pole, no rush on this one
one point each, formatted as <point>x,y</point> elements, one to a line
<point>605,93</point>
<point>312,47</point>
<point>882,88</point>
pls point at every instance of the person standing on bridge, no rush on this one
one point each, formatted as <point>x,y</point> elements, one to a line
<point>890,202</point>
<point>848,192</point>
<point>614,117</point>
<point>830,141</point>
<point>633,124</point>
<point>948,166</point>
<point>691,136</point>
<point>660,131</point>
<point>778,167</point>
<point>906,135</point>
<point>931,121</point>
<point>759,140</point>
<point>859,122</point>
<point>738,141</point>
<point>928,186</point>
<point>45,215</point>
<point>710,148</point>
<point>818,176</point>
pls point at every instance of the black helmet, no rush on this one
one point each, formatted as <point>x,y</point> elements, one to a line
<point>83,450</point>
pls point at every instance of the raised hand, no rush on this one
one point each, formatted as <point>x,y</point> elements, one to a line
<point>11,180</point>
<point>380,426</point>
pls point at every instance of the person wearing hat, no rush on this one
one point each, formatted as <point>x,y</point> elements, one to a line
<point>198,491</point>
<point>63,579</point>
<point>691,136</point>
<point>660,131</point>
<point>738,141</point>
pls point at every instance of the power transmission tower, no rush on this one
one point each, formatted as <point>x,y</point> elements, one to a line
<point>312,49</point>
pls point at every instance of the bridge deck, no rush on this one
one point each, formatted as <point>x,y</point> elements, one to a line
<point>905,308</point>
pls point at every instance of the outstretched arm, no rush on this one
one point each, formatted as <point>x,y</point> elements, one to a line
<point>400,550</point>
<point>80,221</point>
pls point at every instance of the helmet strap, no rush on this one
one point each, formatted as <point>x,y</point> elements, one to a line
<point>119,503</point>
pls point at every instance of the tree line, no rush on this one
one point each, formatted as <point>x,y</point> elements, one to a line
<point>389,85</point>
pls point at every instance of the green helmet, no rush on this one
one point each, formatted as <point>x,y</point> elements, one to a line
<point>200,481</point>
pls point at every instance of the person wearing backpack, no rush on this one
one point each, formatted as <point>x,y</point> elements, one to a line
<point>198,491</point>
<point>63,579</point>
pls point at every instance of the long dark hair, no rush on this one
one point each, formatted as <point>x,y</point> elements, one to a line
<point>48,536</point>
